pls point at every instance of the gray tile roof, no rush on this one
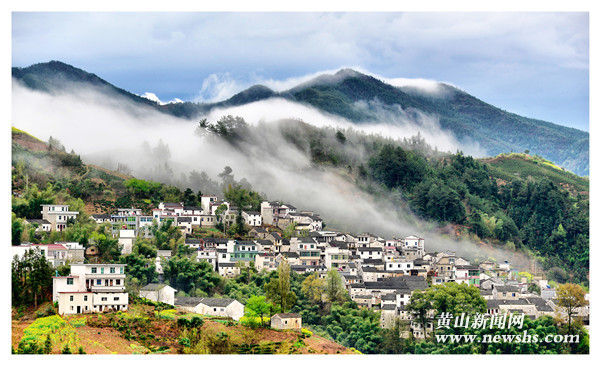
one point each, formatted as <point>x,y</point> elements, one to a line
<point>153,287</point>
<point>288,315</point>
<point>211,302</point>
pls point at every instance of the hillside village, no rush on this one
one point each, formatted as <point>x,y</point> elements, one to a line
<point>378,273</point>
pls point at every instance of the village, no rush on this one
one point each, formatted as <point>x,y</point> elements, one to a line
<point>379,274</point>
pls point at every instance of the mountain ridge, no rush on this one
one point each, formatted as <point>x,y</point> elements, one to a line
<point>468,118</point>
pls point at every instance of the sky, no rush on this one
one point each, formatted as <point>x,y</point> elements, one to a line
<point>533,64</point>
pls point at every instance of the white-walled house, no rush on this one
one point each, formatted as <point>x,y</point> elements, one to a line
<point>57,215</point>
<point>126,238</point>
<point>374,253</point>
<point>159,293</point>
<point>220,307</point>
<point>54,253</point>
<point>91,288</point>
<point>208,255</point>
<point>286,321</point>
<point>252,218</point>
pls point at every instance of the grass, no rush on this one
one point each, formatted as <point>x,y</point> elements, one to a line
<point>513,166</point>
<point>18,131</point>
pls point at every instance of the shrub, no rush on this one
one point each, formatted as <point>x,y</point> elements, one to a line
<point>166,314</point>
<point>306,332</point>
<point>54,327</point>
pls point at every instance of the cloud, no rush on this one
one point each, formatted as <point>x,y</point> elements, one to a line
<point>512,60</point>
<point>110,130</point>
<point>153,97</point>
<point>218,87</point>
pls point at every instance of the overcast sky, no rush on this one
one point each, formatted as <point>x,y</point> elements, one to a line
<point>534,64</point>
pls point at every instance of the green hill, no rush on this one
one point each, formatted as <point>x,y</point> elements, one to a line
<point>509,167</point>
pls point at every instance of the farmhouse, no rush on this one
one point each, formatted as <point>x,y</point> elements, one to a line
<point>91,288</point>
<point>286,321</point>
<point>221,307</point>
<point>159,293</point>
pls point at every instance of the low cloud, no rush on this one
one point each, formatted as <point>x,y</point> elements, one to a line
<point>108,131</point>
<point>153,97</point>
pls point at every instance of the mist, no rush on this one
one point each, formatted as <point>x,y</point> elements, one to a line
<point>110,130</point>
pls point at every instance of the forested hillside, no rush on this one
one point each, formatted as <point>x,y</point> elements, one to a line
<point>542,210</point>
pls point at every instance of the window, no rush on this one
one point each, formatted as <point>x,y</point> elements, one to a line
<point>94,270</point>
<point>116,299</point>
<point>112,270</point>
<point>101,270</point>
<point>85,299</point>
<point>104,299</point>
<point>117,281</point>
<point>99,282</point>
<point>121,270</point>
<point>69,281</point>
<point>71,298</point>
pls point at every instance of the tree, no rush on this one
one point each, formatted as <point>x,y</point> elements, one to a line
<point>257,306</point>
<point>334,288</point>
<point>189,198</point>
<point>108,247</point>
<point>570,297</point>
<point>17,229</point>
<point>278,289</point>
<point>456,298</point>
<point>188,275</point>
<point>313,287</point>
<point>31,278</point>
<point>144,270</point>
<point>420,306</point>
<point>243,199</point>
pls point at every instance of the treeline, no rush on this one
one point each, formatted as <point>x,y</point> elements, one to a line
<point>535,215</point>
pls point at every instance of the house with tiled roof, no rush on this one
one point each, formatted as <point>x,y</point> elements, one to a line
<point>220,307</point>
<point>159,293</point>
<point>286,321</point>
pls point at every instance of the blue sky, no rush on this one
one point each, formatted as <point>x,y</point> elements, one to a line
<point>533,64</point>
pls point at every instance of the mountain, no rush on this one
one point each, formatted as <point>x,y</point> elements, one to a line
<point>469,119</point>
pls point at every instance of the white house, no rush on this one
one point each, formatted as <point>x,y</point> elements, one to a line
<point>286,321</point>
<point>220,307</point>
<point>91,288</point>
<point>159,293</point>
<point>252,218</point>
<point>57,215</point>
<point>375,253</point>
<point>56,254</point>
<point>126,238</point>
<point>43,225</point>
<point>209,255</point>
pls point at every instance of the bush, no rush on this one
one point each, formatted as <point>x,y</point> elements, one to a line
<point>166,314</point>
<point>192,322</point>
<point>306,332</point>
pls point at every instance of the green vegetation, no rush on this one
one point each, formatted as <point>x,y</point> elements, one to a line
<point>31,279</point>
<point>521,165</point>
<point>44,334</point>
